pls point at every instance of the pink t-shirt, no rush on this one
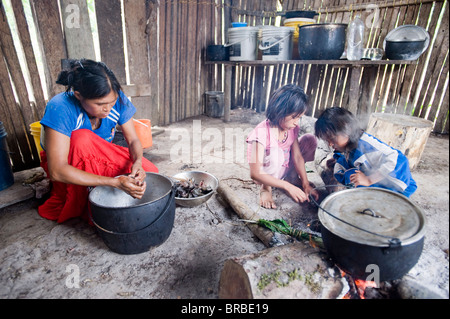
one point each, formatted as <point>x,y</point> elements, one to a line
<point>277,154</point>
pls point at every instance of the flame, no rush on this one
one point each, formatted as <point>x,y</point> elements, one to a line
<point>360,286</point>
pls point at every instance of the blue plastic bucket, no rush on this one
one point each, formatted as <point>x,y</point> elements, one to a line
<point>6,174</point>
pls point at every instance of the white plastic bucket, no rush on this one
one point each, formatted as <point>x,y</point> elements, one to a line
<point>276,43</point>
<point>243,43</point>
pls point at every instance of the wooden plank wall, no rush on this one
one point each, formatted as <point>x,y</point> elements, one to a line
<point>158,55</point>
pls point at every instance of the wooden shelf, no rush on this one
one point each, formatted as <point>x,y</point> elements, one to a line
<point>347,63</point>
<point>354,80</point>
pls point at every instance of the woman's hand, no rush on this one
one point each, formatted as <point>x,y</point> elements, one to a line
<point>131,186</point>
<point>137,172</point>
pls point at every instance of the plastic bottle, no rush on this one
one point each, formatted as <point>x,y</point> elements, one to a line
<point>355,39</point>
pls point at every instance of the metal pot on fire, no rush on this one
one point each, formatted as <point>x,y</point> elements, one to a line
<point>369,229</point>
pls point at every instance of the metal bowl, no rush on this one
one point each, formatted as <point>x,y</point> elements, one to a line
<point>406,42</point>
<point>197,176</point>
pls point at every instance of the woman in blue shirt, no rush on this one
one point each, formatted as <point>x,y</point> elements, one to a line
<point>362,159</point>
<point>79,127</point>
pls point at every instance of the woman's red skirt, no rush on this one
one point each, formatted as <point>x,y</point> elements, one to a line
<point>92,154</point>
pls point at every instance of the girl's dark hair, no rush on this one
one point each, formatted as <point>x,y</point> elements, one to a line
<point>338,121</point>
<point>286,100</point>
<point>92,79</point>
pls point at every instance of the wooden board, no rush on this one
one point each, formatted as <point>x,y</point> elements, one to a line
<point>77,29</point>
<point>109,24</point>
<point>52,43</point>
<point>25,39</point>
<point>406,133</point>
<point>137,45</point>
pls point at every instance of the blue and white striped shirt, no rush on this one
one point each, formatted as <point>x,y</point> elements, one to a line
<point>374,156</point>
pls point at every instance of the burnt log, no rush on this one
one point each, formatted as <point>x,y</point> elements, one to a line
<point>294,271</point>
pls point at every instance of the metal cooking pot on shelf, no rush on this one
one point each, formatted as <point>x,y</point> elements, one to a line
<point>321,41</point>
<point>300,14</point>
<point>406,42</point>
<point>369,227</point>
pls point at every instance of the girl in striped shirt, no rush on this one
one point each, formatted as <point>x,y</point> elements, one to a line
<point>360,158</point>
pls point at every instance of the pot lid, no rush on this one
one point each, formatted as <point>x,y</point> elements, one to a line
<point>407,33</point>
<point>385,214</point>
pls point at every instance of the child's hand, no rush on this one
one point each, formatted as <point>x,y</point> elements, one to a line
<point>331,162</point>
<point>296,193</point>
<point>359,179</point>
<point>313,192</point>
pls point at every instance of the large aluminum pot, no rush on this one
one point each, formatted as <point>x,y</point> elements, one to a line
<point>142,240</point>
<point>116,211</point>
<point>372,231</point>
<point>321,41</point>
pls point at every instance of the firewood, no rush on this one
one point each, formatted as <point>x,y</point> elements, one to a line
<point>294,271</point>
<point>245,212</point>
<point>406,133</point>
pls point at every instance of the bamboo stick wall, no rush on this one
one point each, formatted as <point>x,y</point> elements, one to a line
<point>418,89</point>
<point>157,48</point>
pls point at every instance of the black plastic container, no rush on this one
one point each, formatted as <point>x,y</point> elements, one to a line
<point>217,53</point>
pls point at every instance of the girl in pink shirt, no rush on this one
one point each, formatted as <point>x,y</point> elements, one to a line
<point>275,153</point>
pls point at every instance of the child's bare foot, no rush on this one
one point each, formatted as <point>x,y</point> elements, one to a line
<point>266,199</point>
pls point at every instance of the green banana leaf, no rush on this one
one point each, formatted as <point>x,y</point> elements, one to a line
<point>282,227</point>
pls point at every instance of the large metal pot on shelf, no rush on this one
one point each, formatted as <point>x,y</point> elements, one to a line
<point>299,14</point>
<point>321,41</point>
<point>369,229</point>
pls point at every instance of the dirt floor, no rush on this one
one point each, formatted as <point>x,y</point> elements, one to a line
<point>42,259</point>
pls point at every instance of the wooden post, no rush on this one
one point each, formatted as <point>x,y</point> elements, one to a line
<point>77,29</point>
<point>408,134</point>
<point>354,90</point>
<point>227,94</point>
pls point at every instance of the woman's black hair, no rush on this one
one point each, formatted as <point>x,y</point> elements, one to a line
<point>338,121</point>
<point>92,79</point>
<point>286,100</point>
